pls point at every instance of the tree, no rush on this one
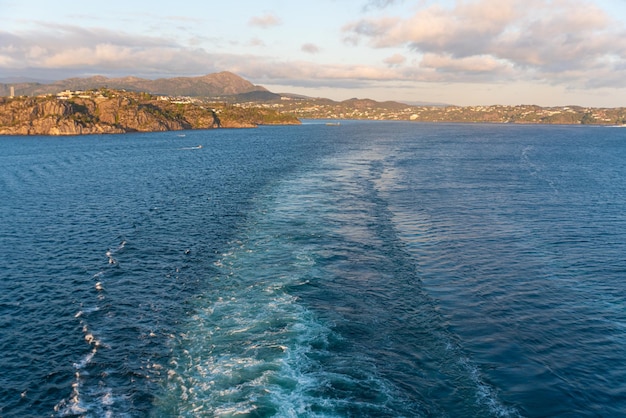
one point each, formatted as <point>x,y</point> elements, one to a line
<point>587,119</point>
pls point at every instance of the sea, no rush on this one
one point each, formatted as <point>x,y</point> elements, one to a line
<point>366,269</point>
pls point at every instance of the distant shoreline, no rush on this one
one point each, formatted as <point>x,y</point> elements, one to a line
<point>195,103</point>
<point>106,111</point>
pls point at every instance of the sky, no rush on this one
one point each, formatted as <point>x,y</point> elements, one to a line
<point>462,52</point>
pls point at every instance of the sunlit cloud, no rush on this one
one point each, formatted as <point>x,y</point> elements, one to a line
<point>538,39</point>
<point>310,48</point>
<point>78,51</point>
<point>395,59</point>
<point>379,4</point>
<point>566,43</point>
<point>256,42</point>
<point>265,21</point>
<point>99,50</point>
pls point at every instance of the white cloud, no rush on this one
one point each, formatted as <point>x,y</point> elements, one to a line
<point>395,59</point>
<point>76,51</point>
<point>256,42</point>
<point>466,65</point>
<point>511,39</point>
<point>310,48</point>
<point>473,41</point>
<point>379,4</point>
<point>265,21</point>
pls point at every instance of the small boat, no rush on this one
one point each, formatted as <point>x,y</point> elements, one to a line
<point>333,123</point>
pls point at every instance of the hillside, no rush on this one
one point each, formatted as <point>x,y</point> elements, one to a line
<point>245,97</point>
<point>309,108</point>
<point>210,85</point>
<point>113,111</point>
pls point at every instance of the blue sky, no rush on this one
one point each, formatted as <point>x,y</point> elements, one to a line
<point>466,52</point>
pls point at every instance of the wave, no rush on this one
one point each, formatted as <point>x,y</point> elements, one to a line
<point>250,347</point>
<point>88,398</point>
<point>310,304</point>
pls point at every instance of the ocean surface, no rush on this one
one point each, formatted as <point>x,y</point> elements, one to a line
<point>371,269</point>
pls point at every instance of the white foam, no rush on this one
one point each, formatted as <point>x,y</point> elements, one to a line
<point>251,344</point>
<point>107,397</point>
<point>91,400</point>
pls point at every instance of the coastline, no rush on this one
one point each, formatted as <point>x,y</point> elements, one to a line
<point>106,111</point>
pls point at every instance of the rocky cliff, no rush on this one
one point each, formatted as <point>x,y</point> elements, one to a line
<point>109,111</point>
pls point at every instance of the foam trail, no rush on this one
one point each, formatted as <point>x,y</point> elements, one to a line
<point>251,347</point>
<point>75,405</point>
<point>85,399</point>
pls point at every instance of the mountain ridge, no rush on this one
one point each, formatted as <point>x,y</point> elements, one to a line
<point>223,83</point>
<point>228,88</point>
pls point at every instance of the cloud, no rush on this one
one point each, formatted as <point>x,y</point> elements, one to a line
<point>310,48</point>
<point>379,4</point>
<point>60,51</point>
<point>74,50</point>
<point>459,52</point>
<point>256,42</point>
<point>395,59</point>
<point>468,65</point>
<point>77,51</point>
<point>541,39</point>
<point>265,21</point>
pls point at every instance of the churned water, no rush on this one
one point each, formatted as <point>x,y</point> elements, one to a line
<point>368,269</point>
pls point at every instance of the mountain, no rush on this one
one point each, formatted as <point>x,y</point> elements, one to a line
<point>211,85</point>
<point>254,96</point>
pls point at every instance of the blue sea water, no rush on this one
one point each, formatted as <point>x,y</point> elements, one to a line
<point>382,269</point>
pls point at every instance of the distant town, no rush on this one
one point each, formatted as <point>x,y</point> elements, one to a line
<point>225,88</point>
<point>372,110</point>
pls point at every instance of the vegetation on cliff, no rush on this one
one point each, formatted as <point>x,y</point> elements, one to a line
<point>113,111</point>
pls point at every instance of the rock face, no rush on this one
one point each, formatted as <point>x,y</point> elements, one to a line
<point>110,111</point>
<point>46,117</point>
<point>114,113</point>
